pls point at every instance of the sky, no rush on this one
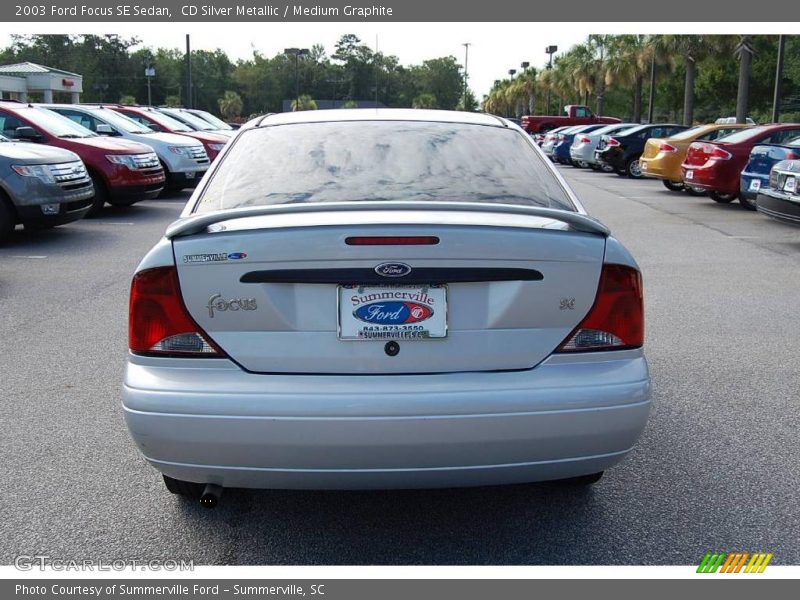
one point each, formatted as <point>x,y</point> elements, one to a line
<point>495,47</point>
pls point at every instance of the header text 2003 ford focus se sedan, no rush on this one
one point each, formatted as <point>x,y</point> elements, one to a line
<point>383,299</point>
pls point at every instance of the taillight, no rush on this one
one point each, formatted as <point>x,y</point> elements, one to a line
<point>616,320</point>
<point>158,322</point>
<point>791,156</point>
<point>612,142</point>
<point>719,154</point>
<point>584,140</point>
<point>667,148</point>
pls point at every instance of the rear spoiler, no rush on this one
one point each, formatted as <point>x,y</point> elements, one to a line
<point>199,223</point>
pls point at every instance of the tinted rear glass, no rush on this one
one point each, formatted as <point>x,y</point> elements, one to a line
<point>743,135</point>
<point>382,161</point>
<point>613,128</point>
<point>688,134</point>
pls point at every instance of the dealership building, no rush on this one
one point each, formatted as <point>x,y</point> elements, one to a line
<point>20,81</point>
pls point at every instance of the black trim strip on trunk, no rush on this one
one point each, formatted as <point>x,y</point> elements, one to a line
<point>420,276</point>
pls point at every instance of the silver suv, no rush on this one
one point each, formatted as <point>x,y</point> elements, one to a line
<point>184,159</point>
<point>41,186</point>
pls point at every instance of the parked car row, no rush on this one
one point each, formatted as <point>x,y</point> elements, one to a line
<point>726,161</point>
<point>61,162</point>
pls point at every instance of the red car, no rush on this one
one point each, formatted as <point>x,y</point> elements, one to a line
<point>158,121</point>
<point>123,171</point>
<point>716,166</point>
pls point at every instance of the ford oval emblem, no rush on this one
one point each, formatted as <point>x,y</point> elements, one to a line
<point>393,269</point>
<point>237,255</point>
<point>393,313</point>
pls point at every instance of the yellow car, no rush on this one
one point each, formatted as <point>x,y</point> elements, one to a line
<point>662,157</point>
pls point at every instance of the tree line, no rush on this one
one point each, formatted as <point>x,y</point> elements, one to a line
<point>113,70</point>
<point>693,78</point>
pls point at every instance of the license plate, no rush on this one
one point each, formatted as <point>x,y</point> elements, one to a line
<point>392,312</point>
<point>190,175</point>
<point>790,185</point>
<point>689,174</point>
<point>755,185</point>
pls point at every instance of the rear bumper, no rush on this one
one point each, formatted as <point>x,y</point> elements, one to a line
<point>745,184</point>
<point>583,153</point>
<point>209,421</point>
<point>659,167</point>
<point>778,205</point>
<point>712,178</point>
<point>613,157</point>
<point>561,152</point>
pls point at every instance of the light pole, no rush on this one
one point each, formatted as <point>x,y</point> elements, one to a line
<point>297,52</point>
<point>550,50</point>
<point>776,97</point>
<point>149,73</point>
<point>189,85</point>
<point>466,60</point>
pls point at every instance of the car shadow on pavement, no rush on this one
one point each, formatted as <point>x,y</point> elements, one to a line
<point>482,525</point>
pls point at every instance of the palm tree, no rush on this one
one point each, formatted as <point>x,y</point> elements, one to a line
<point>545,83</point>
<point>563,79</point>
<point>690,48</point>
<point>584,70</point>
<point>496,103</point>
<point>527,80</point>
<point>626,65</point>
<point>425,100</point>
<point>230,105</point>
<point>656,53</point>
<point>744,52</point>
<point>598,45</point>
<point>304,102</point>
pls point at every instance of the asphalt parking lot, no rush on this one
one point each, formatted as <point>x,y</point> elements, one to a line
<point>716,469</point>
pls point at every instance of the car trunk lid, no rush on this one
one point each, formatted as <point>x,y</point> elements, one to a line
<point>762,158</point>
<point>652,147</point>
<point>508,287</point>
<point>699,153</point>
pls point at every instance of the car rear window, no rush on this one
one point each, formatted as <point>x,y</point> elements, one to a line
<point>688,134</point>
<point>743,135</point>
<point>356,161</point>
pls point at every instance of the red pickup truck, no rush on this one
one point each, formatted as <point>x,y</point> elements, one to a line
<point>574,114</point>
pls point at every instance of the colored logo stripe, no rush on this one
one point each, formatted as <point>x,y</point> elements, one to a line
<point>711,562</point>
<point>734,562</point>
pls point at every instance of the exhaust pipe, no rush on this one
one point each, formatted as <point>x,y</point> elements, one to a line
<point>210,496</point>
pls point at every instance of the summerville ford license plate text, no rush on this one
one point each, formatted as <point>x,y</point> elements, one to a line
<point>392,312</point>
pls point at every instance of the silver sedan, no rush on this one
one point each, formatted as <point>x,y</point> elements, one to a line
<point>384,299</point>
<point>584,144</point>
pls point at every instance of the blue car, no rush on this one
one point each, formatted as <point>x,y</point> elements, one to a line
<point>755,175</point>
<point>564,141</point>
<point>553,138</point>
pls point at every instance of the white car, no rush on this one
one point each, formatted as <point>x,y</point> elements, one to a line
<point>196,123</point>
<point>384,299</point>
<point>184,159</point>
